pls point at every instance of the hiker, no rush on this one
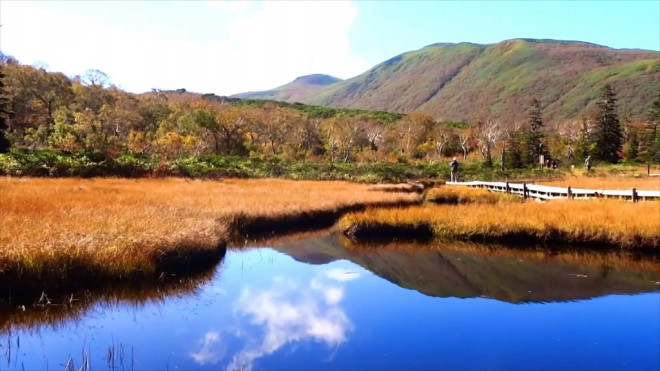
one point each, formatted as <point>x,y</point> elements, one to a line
<point>569,153</point>
<point>588,163</point>
<point>454,170</point>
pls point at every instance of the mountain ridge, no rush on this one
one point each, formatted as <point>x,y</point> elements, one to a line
<point>300,85</point>
<point>467,81</point>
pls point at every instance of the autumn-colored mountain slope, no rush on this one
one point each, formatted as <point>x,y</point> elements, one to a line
<point>297,90</point>
<point>470,81</point>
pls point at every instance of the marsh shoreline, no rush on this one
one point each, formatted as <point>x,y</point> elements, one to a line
<point>61,274</point>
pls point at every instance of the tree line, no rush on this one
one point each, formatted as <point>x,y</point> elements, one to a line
<point>45,110</point>
<point>601,135</point>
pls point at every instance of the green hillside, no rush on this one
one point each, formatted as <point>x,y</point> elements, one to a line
<point>297,90</point>
<point>463,82</point>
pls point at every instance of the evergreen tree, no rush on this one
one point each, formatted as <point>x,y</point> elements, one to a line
<point>608,133</point>
<point>513,158</point>
<point>652,140</point>
<point>4,115</point>
<point>533,139</point>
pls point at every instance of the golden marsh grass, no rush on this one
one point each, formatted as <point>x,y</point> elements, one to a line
<point>593,222</point>
<point>119,228</point>
<point>463,195</point>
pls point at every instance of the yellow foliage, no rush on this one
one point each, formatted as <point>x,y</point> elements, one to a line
<point>189,142</point>
<point>137,141</point>
<point>170,143</point>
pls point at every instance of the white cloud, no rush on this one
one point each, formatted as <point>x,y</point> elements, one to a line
<point>332,294</point>
<point>240,47</point>
<point>341,275</point>
<point>230,5</point>
<point>211,351</point>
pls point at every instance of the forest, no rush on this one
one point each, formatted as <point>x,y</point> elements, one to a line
<point>56,125</point>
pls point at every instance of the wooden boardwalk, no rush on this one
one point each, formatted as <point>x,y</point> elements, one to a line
<point>542,192</point>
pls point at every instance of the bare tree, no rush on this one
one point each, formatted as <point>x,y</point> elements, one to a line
<point>464,138</point>
<point>96,77</point>
<point>441,139</point>
<point>344,137</point>
<point>374,133</point>
<point>491,132</point>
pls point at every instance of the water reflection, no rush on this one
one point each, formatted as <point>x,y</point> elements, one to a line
<point>212,350</point>
<point>266,310</point>
<point>290,311</point>
<point>58,314</point>
<point>467,270</point>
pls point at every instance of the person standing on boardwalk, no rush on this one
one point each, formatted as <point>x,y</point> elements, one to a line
<point>588,163</point>
<point>454,170</point>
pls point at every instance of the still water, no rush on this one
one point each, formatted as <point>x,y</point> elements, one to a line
<point>314,305</point>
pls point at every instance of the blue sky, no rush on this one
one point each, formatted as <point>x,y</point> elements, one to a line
<point>228,47</point>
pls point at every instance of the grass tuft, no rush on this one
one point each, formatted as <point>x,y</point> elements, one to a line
<point>453,195</point>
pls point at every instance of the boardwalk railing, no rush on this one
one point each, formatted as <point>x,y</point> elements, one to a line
<point>548,193</point>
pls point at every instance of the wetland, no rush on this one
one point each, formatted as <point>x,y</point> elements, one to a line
<point>314,302</point>
<point>262,274</point>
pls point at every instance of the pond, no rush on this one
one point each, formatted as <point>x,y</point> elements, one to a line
<point>314,304</point>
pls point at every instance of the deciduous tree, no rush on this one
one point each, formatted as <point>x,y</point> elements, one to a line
<point>490,133</point>
<point>4,114</point>
<point>96,77</point>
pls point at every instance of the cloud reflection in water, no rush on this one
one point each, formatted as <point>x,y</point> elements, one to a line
<point>291,311</point>
<point>212,350</point>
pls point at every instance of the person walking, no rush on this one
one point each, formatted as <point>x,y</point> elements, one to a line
<point>587,162</point>
<point>454,170</point>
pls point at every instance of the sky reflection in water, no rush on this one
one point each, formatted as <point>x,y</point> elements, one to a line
<point>265,310</point>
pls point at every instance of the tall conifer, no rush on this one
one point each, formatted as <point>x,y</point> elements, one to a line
<point>534,137</point>
<point>652,138</point>
<point>608,134</point>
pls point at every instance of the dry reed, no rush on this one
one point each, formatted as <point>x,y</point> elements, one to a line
<point>464,195</point>
<point>120,228</point>
<point>594,222</point>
